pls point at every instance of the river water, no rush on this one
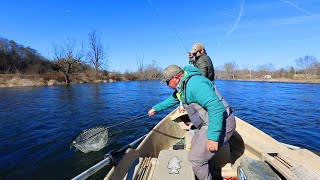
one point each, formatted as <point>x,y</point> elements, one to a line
<point>38,123</point>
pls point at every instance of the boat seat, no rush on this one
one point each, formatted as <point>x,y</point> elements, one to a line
<point>173,165</point>
<point>188,138</point>
<point>221,163</point>
<point>183,125</point>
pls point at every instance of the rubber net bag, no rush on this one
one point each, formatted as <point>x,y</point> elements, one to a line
<point>93,139</point>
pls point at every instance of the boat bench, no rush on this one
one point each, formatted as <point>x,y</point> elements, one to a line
<point>173,165</point>
<point>220,163</point>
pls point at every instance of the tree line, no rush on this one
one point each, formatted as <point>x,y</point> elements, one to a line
<point>307,67</point>
<point>144,71</point>
<point>16,58</point>
<point>72,57</point>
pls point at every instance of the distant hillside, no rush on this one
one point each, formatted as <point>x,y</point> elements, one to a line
<point>16,58</point>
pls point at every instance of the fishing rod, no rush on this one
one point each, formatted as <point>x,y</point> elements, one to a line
<point>153,6</point>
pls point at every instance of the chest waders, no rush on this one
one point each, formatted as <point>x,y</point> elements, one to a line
<point>199,116</point>
<point>198,155</point>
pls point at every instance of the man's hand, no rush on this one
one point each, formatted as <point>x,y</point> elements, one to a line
<point>151,112</point>
<point>212,145</point>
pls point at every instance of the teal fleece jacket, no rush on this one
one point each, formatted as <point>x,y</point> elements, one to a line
<point>200,90</point>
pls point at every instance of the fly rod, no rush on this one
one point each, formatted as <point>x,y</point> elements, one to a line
<point>153,6</point>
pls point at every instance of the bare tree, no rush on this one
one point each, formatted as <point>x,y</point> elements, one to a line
<point>68,57</point>
<point>96,54</point>
<point>307,64</point>
<point>245,72</point>
<point>265,69</point>
<point>230,68</point>
<point>141,68</point>
<point>317,69</point>
<point>282,73</point>
<point>291,71</point>
<point>271,68</point>
<point>153,71</point>
<point>219,72</point>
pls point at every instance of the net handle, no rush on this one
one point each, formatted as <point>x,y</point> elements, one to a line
<point>140,117</point>
<point>73,142</point>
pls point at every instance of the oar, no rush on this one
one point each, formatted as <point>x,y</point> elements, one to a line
<point>108,159</point>
<point>94,139</point>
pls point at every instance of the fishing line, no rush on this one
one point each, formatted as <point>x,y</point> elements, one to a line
<point>153,6</point>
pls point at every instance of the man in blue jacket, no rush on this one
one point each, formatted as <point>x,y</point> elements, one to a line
<point>207,110</point>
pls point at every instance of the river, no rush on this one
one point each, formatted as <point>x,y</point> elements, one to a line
<point>38,123</point>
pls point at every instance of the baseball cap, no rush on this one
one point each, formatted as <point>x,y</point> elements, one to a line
<point>197,47</point>
<point>169,72</point>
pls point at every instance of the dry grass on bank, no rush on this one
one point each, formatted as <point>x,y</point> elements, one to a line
<point>16,80</point>
<point>57,78</point>
<point>24,80</point>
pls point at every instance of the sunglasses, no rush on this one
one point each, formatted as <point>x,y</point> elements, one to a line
<point>168,81</point>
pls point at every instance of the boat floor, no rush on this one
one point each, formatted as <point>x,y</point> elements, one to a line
<point>152,159</point>
<point>148,167</point>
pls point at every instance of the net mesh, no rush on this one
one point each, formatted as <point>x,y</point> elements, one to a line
<point>93,139</point>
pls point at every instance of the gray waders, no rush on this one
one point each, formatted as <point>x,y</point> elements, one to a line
<point>199,156</point>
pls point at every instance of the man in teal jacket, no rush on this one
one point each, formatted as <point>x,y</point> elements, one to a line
<point>207,110</point>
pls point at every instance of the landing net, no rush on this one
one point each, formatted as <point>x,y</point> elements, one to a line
<point>93,139</point>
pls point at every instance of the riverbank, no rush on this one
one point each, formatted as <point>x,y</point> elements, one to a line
<point>281,80</point>
<point>23,80</point>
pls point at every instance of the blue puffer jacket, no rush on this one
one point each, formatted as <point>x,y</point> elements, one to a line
<point>200,90</point>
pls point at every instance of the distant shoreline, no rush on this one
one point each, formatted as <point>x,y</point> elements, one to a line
<point>23,80</point>
<point>317,81</point>
<point>9,81</point>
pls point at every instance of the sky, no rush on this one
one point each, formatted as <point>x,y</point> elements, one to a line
<point>248,32</point>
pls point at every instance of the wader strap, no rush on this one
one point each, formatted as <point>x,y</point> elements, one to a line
<point>184,86</point>
<point>225,103</point>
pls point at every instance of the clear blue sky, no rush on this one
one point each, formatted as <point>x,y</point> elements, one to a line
<point>250,32</point>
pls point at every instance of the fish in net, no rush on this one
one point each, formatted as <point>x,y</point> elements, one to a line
<point>93,139</point>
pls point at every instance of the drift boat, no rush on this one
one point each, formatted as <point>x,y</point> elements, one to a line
<point>249,154</point>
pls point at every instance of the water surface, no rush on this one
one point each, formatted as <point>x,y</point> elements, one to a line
<point>38,123</point>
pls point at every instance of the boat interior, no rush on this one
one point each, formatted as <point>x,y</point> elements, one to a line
<point>249,154</point>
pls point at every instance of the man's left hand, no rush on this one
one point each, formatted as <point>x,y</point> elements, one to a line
<point>212,145</point>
